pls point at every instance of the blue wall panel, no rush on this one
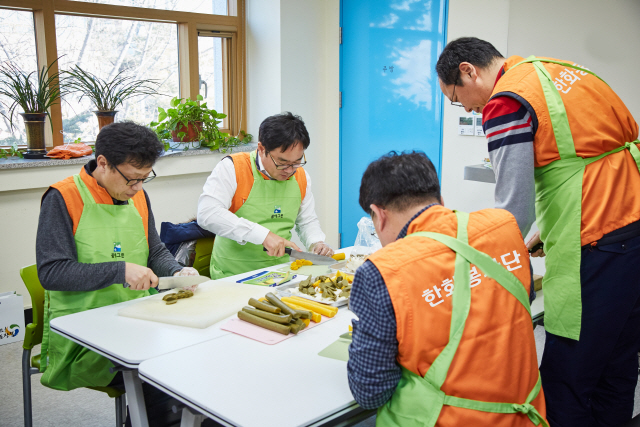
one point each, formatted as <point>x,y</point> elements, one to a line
<point>390,94</point>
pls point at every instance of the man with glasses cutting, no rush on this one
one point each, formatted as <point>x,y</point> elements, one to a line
<point>96,233</point>
<point>254,200</point>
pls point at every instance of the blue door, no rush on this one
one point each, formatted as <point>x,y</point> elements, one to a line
<point>391,99</point>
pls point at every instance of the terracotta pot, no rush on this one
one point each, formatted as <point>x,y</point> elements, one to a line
<point>34,125</point>
<point>105,118</point>
<point>191,132</point>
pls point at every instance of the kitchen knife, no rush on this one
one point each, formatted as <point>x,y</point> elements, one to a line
<point>172,282</point>
<point>314,258</point>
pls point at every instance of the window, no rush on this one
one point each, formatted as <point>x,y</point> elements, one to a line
<point>105,47</point>
<point>190,47</point>
<point>18,45</point>
<point>216,7</point>
<point>212,72</point>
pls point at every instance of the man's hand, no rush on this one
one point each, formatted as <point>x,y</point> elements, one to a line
<point>187,271</point>
<point>139,278</point>
<point>321,248</point>
<point>535,239</point>
<point>275,244</point>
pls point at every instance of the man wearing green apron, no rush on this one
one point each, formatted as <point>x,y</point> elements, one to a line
<point>96,233</point>
<point>560,139</point>
<point>253,200</point>
<point>444,333</point>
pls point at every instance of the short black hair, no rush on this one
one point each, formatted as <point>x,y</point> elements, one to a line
<point>399,181</point>
<point>128,142</point>
<point>465,49</point>
<point>283,131</point>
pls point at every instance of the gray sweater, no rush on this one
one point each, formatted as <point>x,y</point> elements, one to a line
<point>57,258</point>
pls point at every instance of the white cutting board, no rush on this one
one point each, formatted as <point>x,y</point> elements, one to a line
<point>212,302</point>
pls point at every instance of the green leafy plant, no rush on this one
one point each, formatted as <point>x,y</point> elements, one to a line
<point>107,95</point>
<point>11,152</point>
<point>186,111</point>
<point>32,92</point>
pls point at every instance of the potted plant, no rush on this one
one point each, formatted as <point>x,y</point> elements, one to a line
<point>34,96</point>
<point>193,123</point>
<point>107,95</point>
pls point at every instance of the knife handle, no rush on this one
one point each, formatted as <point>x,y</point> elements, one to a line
<point>286,250</point>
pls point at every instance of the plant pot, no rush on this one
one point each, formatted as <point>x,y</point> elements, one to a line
<point>105,118</point>
<point>191,131</point>
<point>34,125</point>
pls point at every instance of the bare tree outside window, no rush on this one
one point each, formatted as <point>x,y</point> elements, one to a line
<point>17,45</point>
<point>216,7</point>
<point>104,47</point>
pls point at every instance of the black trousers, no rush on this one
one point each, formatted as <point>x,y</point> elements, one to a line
<point>159,406</point>
<point>591,382</point>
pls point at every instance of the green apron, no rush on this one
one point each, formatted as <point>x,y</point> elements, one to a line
<point>417,401</point>
<point>272,204</point>
<point>105,233</point>
<point>559,212</point>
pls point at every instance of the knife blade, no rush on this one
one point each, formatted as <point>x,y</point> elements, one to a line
<point>314,258</point>
<point>172,282</point>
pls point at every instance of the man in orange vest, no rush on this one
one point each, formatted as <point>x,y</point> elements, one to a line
<point>97,245</point>
<point>560,139</point>
<point>444,335</point>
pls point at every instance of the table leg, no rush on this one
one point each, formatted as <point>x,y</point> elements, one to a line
<point>135,398</point>
<point>190,419</point>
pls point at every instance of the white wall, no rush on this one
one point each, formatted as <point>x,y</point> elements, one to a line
<point>303,55</point>
<point>601,35</point>
<point>489,21</point>
<point>264,92</point>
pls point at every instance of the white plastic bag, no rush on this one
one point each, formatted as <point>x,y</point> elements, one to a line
<point>367,241</point>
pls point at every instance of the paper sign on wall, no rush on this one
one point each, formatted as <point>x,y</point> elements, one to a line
<point>465,126</point>
<point>478,127</point>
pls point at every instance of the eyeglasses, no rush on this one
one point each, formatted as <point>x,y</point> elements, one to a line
<point>453,95</point>
<point>132,182</point>
<point>295,166</point>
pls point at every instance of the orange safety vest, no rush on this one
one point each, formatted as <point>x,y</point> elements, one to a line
<point>600,122</point>
<point>72,199</point>
<point>496,360</point>
<point>244,180</point>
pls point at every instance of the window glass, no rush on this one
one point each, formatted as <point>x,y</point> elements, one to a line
<point>105,47</point>
<point>211,73</point>
<point>18,46</point>
<point>216,7</point>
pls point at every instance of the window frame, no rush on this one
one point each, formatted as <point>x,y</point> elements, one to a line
<point>188,25</point>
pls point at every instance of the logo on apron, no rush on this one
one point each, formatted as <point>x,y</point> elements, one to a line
<point>117,250</point>
<point>277,212</point>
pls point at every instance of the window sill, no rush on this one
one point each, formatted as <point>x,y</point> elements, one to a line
<point>17,163</point>
<point>24,174</point>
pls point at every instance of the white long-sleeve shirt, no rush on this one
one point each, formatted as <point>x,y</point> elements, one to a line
<point>215,201</point>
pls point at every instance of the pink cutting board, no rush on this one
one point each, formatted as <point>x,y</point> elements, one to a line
<point>263,335</point>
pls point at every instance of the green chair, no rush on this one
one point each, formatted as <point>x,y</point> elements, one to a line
<point>204,248</point>
<point>33,337</point>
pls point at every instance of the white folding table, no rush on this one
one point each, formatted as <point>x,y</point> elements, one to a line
<point>127,342</point>
<point>241,382</point>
